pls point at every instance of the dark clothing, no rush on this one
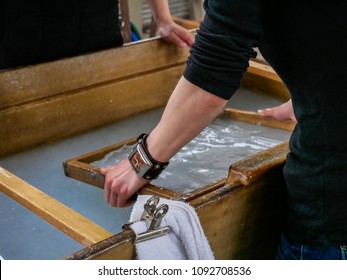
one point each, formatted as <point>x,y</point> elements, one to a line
<point>37,30</point>
<point>292,251</point>
<point>305,42</point>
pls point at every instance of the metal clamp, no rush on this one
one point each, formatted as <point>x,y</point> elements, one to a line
<point>153,215</point>
<point>149,208</point>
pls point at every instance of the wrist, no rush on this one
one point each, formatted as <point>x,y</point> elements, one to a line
<point>142,162</point>
<point>163,20</point>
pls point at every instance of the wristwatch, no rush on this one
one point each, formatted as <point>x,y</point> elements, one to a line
<point>143,163</point>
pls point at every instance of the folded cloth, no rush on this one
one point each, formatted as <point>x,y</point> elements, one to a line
<point>185,241</point>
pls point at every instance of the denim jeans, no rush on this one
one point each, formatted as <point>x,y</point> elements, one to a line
<point>292,251</point>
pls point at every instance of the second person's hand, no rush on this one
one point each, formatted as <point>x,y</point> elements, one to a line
<point>175,34</point>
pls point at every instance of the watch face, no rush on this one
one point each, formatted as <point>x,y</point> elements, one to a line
<point>140,161</point>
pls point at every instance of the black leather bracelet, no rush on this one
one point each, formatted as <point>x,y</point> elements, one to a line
<point>143,163</point>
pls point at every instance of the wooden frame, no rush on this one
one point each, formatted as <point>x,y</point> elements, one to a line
<point>79,167</point>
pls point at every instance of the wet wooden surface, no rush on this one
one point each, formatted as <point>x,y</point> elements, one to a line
<point>118,247</point>
<point>253,117</point>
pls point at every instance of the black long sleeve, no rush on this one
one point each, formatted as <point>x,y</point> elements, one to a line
<point>224,45</point>
<point>305,42</point>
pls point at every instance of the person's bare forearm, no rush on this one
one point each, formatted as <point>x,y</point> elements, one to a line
<point>160,10</point>
<point>189,110</point>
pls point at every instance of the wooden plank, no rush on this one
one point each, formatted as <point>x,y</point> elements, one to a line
<point>261,77</point>
<point>117,247</point>
<point>57,214</point>
<point>247,170</point>
<point>125,21</point>
<point>92,175</point>
<point>27,126</point>
<point>264,70</point>
<point>187,23</point>
<point>253,117</point>
<point>23,85</point>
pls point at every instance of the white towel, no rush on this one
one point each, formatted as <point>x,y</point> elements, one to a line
<point>185,241</point>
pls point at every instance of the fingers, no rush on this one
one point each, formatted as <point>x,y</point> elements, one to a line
<point>107,194</point>
<point>104,170</point>
<point>173,38</point>
<point>113,193</point>
<point>187,37</point>
<point>275,112</point>
<point>173,33</point>
<point>281,112</point>
<point>178,41</point>
<point>121,183</point>
<point>268,112</point>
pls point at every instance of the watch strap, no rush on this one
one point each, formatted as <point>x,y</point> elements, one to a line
<point>142,161</point>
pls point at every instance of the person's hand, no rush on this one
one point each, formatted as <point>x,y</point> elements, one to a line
<point>281,112</point>
<point>175,34</point>
<point>121,183</point>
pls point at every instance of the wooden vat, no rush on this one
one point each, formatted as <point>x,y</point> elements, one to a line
<point>82,93</point>
<point>236,212</point>
<point>241,216</point>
